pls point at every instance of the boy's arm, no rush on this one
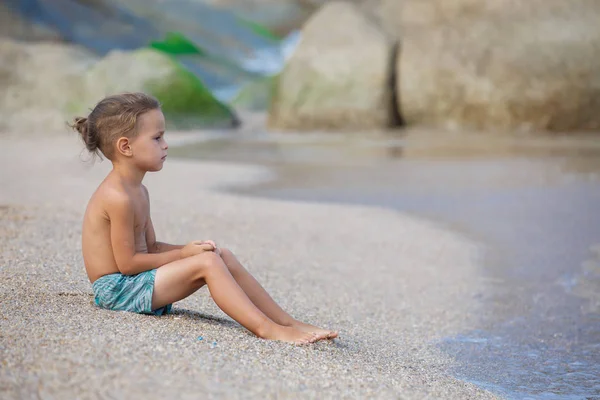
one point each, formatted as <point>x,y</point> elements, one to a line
<point>120,212</point>
<point>161,247</point>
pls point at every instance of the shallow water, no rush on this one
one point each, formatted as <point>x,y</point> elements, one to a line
<point>531,202</point>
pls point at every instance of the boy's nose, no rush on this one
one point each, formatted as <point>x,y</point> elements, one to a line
<point>166,146</point>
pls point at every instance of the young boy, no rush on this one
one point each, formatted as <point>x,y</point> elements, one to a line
<point>129,269</point>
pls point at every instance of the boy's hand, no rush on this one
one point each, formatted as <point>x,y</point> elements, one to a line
<point>196,247</point>
<point>214,245</point>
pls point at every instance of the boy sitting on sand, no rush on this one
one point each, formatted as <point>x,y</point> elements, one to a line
<point>128,268</point>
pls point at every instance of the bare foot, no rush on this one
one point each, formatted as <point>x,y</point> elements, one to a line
<point>288,334</point>
<point>319,332</point>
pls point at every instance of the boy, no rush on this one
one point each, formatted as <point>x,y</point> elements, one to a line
<point>129,269</point>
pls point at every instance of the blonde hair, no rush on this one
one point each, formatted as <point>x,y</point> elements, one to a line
<point>113,117</point>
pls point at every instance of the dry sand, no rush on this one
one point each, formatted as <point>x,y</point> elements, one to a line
<point>391,284</point>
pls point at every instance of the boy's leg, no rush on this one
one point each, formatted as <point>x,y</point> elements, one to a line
<point>254,290</point>
<point>181,278</point>
<point>263,300</point>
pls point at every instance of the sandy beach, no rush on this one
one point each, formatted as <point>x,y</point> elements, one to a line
<point>390,283</point>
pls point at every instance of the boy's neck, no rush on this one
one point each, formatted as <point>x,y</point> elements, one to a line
<point>129,174</point>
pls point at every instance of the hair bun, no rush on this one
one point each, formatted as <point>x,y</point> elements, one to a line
<point>81,125</point>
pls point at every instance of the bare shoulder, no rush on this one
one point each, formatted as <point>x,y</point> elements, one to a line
<point>113,196</point>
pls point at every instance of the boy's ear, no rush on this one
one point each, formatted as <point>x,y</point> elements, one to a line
<point>124,146</point>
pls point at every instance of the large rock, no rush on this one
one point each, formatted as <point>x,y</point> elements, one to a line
<point>339,75</point>
<point>46,84</point>
<point>501,64</point>
<point>186,102</point>
<point>38,82</point>
<point>388,14</point>
<point>385,13</point>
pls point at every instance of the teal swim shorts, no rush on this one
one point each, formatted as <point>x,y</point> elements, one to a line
<point>127,293</point>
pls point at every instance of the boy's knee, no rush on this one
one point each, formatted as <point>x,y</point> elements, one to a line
<point>225,252</point>
<point>208,261</point>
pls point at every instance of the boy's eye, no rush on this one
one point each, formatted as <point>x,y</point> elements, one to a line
<point>157,138</point>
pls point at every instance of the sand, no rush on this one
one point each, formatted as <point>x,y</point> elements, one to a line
<point>393,285</point>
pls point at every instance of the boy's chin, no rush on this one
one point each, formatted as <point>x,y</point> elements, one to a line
<point>154,168</point>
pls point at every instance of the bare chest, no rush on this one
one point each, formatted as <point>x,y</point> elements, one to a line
<point>140,223</point>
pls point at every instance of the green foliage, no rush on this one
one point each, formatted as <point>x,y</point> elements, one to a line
<point>177,43</point>
<point>187,102</point>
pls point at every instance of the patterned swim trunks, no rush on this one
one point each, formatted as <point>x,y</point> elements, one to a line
<point>127,293</point>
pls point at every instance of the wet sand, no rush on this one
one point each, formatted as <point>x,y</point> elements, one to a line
<point>392,284</point>
<point>532,204</point>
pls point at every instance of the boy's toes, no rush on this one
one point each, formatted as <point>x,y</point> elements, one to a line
<point>313,337</point>
<point>321,335</point>
<point>307,338</point>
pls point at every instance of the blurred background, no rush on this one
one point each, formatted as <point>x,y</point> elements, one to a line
<point>505,65</point>
<point>481,115</point>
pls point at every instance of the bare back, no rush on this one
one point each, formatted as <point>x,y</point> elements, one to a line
<point>97,246</point>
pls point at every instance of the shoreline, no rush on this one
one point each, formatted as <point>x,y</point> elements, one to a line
<point>390,282</point>
<point>484,198</point>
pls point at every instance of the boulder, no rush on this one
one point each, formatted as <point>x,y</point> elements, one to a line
<point>38,83</point>
<point>388,14</point>
<point>500,64</point>
<point>186,102</point>
<point>339,75</point>
<point>47,84</point>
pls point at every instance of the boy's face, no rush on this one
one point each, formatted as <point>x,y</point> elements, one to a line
<point>149,146</point>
